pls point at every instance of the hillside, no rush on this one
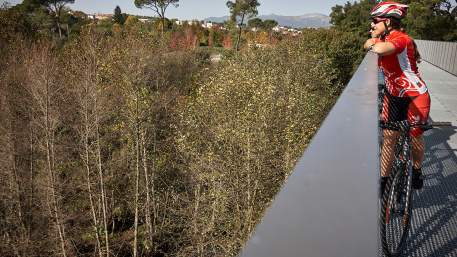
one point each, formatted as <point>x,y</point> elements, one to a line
<point>313,20</point>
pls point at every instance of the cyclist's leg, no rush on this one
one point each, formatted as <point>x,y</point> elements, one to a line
<point>387,152</point>
<point>418,151</point>
<point>394,109</point>
<point>418,111</point>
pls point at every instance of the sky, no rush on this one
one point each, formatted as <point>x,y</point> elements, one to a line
<point>200,9</point>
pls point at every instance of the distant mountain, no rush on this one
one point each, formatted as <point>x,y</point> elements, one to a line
<point>311,20</point>
<point>218,19</point>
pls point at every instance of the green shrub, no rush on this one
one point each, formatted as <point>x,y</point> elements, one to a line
<point>248,123</point>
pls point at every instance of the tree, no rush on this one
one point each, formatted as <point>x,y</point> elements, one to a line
<point>242,9</point>
<point>26,19</point>
<point>83,85</point>
<point>243,130</point>
<point>269,25</point>
<point>217,37</point>
<point>56,7</point>
<point>85,68</point>
<point>43,84</point>
<point>431,20</point>
<point>426,19</point>
<point>118,17</point>
<point>255,23</point>
<point>353,17</point>
<point>158,6</point>
<point>131,21</point>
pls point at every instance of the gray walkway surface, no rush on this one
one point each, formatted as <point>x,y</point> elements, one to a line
<point>434,222</point>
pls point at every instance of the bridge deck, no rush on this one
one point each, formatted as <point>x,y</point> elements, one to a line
<point>434,222</point>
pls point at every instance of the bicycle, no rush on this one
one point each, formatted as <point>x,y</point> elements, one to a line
<point>396,203</point>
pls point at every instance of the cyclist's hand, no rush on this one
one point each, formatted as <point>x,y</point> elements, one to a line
<point>370,43</point>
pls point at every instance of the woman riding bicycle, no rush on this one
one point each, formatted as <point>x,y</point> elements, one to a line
<point>407,96</point>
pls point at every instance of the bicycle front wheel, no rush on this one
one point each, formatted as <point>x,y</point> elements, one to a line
<point>396,212</point>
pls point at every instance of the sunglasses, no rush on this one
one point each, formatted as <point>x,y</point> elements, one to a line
<point>377,20</point>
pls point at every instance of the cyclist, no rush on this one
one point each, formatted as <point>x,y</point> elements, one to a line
<point>407,95</point>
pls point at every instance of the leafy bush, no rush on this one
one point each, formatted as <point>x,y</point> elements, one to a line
<point>248,123</point>
<point>189,152</point>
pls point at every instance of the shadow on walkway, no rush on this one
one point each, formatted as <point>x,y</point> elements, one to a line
<point>434,223</point>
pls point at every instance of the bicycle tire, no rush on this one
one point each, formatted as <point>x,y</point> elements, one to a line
<point>396,211</point>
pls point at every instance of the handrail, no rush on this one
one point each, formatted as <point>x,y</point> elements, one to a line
<point>329,205</point>
<point>441,54</point>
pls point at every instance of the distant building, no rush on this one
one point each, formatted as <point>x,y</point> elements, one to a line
<point>193,22</point>
<point>287,31</point>
<point>100,16</point>
<point>145,20</point>
<point>203,24</point>
<point>207,25</point>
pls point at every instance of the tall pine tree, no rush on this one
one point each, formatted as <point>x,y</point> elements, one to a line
<point>240,10</point>
<point>118,17</point>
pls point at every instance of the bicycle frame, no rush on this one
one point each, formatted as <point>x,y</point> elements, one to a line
<point>404,158</point>
<point>403,148</point>
<point>398,195</point>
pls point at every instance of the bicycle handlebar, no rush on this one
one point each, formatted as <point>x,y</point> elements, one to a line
<point>404,125</point>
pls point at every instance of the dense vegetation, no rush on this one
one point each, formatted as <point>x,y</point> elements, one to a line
<point>426,19</point>
<point>118,143</point>
<point>123,139</point>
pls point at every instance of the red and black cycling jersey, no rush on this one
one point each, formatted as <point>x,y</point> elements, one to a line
<point>400,68</point>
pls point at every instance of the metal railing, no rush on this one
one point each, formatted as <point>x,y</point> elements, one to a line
<point>329,205</point>
<point>440,54</point>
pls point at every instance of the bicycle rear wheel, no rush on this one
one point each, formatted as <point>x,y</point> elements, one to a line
<point>396,212</point>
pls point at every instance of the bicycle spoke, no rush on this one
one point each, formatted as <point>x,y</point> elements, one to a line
<point>396,211</point>
<point>396,203</point>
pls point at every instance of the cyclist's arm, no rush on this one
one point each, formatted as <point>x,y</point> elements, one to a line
<point>383,48</point>
<point>379,47</point>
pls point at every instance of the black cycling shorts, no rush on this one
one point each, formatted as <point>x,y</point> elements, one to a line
<point>414,109</point>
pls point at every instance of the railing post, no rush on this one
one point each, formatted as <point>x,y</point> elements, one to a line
<point>441,54</point>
